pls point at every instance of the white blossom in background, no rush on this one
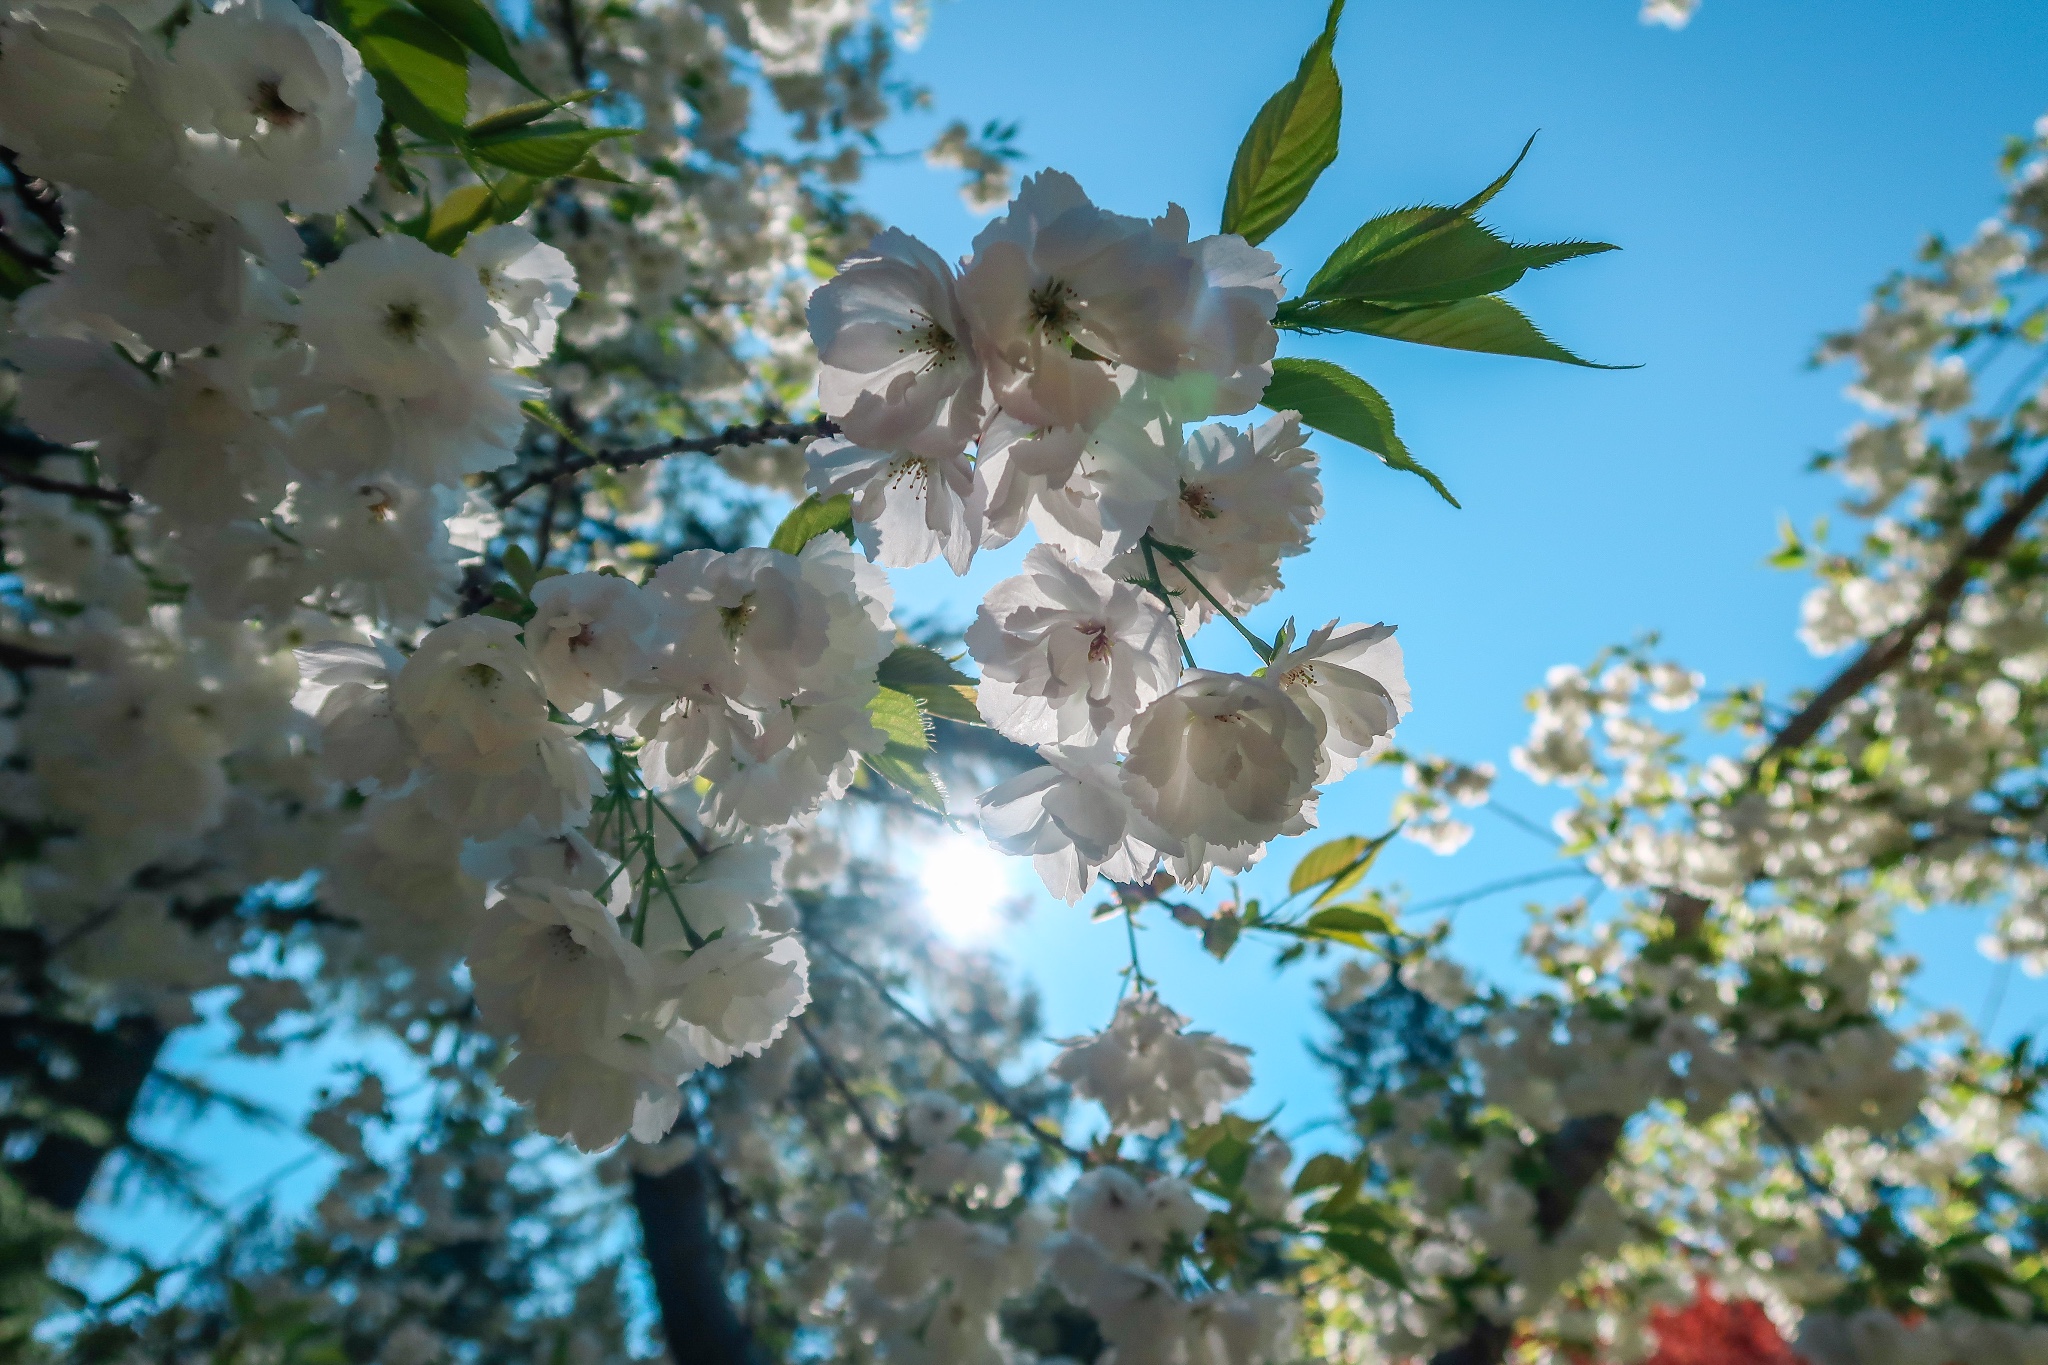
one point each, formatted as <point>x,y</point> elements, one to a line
<point>1148,1072</point>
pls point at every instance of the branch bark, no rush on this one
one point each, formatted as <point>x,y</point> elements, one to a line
<point>1577,1154</point>
<point>113,1063</point>
<point>1886,652</point>
<point>760,433</point>
<point>687,1264</point>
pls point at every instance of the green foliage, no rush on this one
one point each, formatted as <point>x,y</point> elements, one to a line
<point>1332,399</point>
<point>904,768</point>
<point>1291,143</point>
<point>1486,324</point>
<point>419,55</point>
<point>1340,863</point>
<point>925,674</point>
<point>473,24</point>
<point>898,715</point>
<point>421,69</point>
<point>543,149</point>
<point>1460,259</point>
<point>810,519</point>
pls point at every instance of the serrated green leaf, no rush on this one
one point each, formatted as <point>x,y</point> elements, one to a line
<point>903,768</point>
<point>952,703</point>
<point>908,664</point>
<point>543,149</point>
<point>1490,325</point>
<point>810,519</point>
<point>1325,861</point>
<point>477,29</point>
<point>1461,259</point>
<point>533,111</point>
<point>1332,399</point>
<point>897,715</point>
<point>422,72</point>
<point>1290,143</point>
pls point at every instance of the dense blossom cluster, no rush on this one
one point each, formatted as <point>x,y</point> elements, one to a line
<point>1070,351</point>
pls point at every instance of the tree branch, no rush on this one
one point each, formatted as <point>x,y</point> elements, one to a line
<point>20,657</point>
<point>687,1264</point>
<point>1888,650</point>
<point>760,433</point>
<point>119,497</point>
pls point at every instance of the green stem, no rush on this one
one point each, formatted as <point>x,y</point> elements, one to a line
<point>1158,589</point>
<point>1259,647</point>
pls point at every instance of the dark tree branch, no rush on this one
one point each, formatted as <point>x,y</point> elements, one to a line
<point>760,433</point>
<point>119,497</point>
<point>20,657</point>
<point>572,39</point>
<point>1575,1156</point>
<point>687,1264</point>
<point>1890,649</point>
<point>112,1065</point>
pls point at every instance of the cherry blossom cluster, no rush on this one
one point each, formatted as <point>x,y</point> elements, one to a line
<point>1070,352</point>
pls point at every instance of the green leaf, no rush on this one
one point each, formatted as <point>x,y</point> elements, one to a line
<point>519,115</point>
<point>1332,399</point>
<point>1392,232</point>
<point>810,519</point>
<point>1461,259</point>
<point>897,715</point>
<point>464,211</point>
<point>519,567</point>
<point>543,149</point>
<point>1490,325</point>
<point>1349,924</point>
<point>590,168</point>
<point>1322,1170</point>
<point>422,72</point>
<point>1342,863</point>
<point>903,768</point>
<point>477,28</point>
<point>1291,142</point>
<point>1367,1252</point>
<point>909,664</point>
<point>1227,1159</point>
<point>1325,861</point>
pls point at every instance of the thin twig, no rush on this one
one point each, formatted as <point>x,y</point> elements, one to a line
<point>837,1079</point>
<point>973,1071</point>
<point>120,497</point>
<point>1505,884</point>
<point>760,433</point>
<point>1893,647</point>
<point>1523,822</point>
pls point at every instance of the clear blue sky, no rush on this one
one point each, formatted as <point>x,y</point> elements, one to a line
<point>1761,169</point>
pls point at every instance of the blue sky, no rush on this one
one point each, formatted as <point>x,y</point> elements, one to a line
<point>1761,170</point>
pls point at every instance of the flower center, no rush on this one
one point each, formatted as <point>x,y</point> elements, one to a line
<point>1052,309</point>
<point>1301,675</point>
<point>269,104</point>
<point>1099,644</point>
<point>482,677</point>
<point>583,638</point>
<point>404,320</point>
<point>736,618</point>
<point>562,945</point>
<point>1198,502</point>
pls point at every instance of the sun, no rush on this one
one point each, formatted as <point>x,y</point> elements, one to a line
<point>964,884</point>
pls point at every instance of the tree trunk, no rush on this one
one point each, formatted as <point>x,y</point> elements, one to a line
<point>112,1065</point>
<point>698,1320</point>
